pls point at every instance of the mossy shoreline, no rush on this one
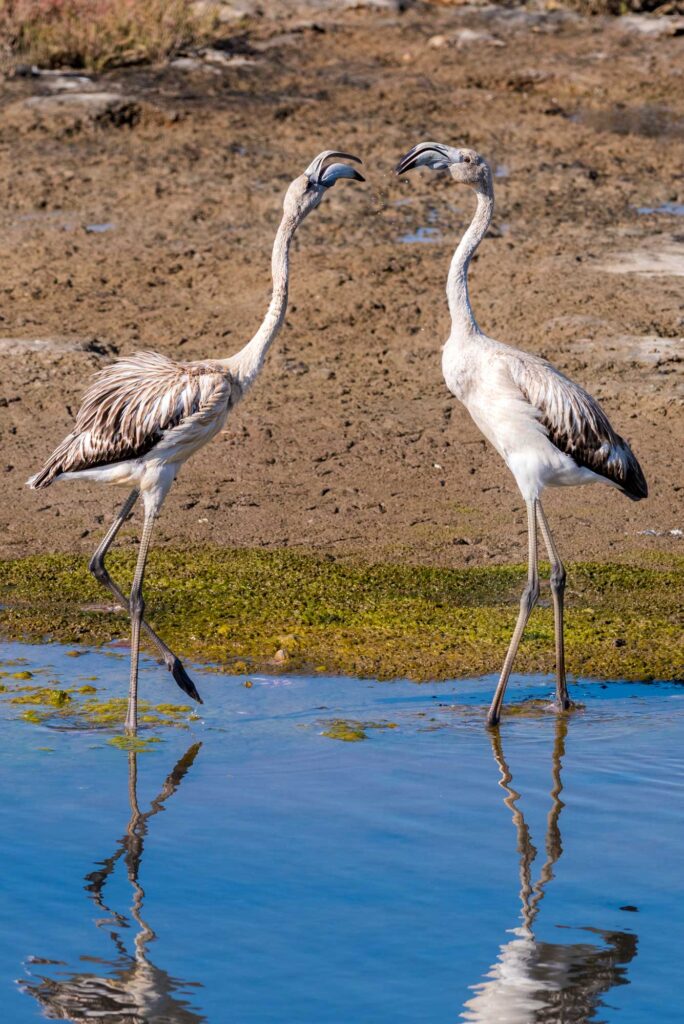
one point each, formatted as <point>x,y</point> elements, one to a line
<point>253,610</point>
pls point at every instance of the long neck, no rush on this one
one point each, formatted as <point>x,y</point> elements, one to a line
<point>457,283</point>
<point>245,365</point>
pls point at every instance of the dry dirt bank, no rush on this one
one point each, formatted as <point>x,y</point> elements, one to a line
<point>147,221</point>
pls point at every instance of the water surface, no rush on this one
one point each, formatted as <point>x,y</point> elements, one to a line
<point>252,869</point>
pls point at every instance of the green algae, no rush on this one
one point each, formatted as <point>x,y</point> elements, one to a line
<point>239,608</point>
<point>42,695</point>
<point>133,744</point>
<point>35,717</point>
<point>48,705</point>
<point>112,712</point>
<point>534,707</point>
<point>350,731</point>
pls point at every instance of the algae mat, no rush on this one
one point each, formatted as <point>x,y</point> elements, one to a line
<point>246,609</point>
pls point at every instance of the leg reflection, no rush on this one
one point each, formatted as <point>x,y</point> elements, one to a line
<point>534,982</point>
<point>129,989</point>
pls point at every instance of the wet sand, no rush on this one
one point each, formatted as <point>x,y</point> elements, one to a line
<point>146,220</point>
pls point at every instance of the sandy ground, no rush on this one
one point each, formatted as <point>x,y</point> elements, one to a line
<point>147,222</point>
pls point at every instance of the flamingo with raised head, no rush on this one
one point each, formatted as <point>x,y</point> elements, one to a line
<point>145,415</point>
<point>549,431</point>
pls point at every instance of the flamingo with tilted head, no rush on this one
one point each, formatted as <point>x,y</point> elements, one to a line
<point>146,414</point>
<point>549,430</point>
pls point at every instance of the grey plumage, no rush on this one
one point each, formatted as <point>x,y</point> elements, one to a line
<point>145,415</point>
<point>577,425</point>
<point>134,404</point>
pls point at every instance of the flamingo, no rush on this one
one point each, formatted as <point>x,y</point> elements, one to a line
<point>548,430</point>
<point>144,415</point>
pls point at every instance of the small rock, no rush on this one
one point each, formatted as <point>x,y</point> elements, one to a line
<point>73,111</point>
<point>643,25</point>
<point>223,59</point>
<point>187,64</point>
<point>50,346</point>
<point>468,36</point>
<point>280,656</point>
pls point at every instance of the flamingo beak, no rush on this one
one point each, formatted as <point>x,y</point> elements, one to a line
<point>425,154</point>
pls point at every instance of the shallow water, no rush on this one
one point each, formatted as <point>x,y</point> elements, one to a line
<point>421,235</point>
<point>271,874</point>
<point>99,229</point>
<point>671,209</point>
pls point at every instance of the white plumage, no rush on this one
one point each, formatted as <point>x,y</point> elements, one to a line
<point>145,415</point>
<point>549,431</point>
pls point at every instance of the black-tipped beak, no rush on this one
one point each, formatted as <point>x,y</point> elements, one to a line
<point>407,162</point>
<point>327,167</point>
<point>425,154</point>
<point>333,172</point>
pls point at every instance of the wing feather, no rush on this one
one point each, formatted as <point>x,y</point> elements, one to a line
<point>577,425</point>
<point>131,407</point>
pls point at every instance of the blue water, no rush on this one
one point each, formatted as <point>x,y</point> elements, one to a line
<point>99,229</point>
<point>673,209</point>
<point>276,875</point>
<point>421,235</point>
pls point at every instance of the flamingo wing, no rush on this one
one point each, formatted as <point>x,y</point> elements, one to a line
<point>577,425</point>
<point>131,407</point>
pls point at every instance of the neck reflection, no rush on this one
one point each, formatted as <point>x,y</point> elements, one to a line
<point>131,989</point>
<point>535,982</point>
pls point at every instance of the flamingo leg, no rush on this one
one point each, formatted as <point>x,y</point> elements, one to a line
<point>528,600</point>
<point>99,570</point>
<point>557,590</point>
<point>137,606</point>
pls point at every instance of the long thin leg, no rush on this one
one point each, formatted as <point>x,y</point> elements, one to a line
<point>97,566</point>
<point>137,606</point>
<point>99,570</point>
<point>527,602</point>
<point>557,590</point>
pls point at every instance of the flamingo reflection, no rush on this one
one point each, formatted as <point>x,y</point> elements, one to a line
<point>535,982</point>
<point>130,988</point>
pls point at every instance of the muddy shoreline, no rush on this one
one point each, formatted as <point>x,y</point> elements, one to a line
<point>149,224</point>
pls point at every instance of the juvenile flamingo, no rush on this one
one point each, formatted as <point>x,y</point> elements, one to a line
<point>146,414</point>
<point>549,431</point>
